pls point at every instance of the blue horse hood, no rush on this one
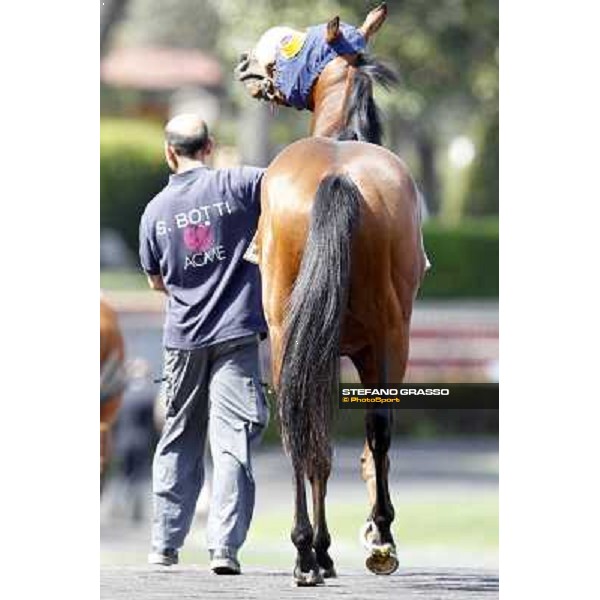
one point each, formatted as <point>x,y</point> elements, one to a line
<point>294,76</point>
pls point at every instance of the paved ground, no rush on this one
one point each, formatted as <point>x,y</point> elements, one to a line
<point>145,583</point>
<point>452,478</point>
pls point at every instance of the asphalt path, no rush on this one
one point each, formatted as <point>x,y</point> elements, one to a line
<point>146,583</point>
<point>446,471</point>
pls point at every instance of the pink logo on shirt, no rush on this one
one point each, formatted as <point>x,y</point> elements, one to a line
<point>197,238</point>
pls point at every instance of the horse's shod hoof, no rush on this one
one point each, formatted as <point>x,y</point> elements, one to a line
<point>309,579</point>
<point>329,573</point>
<point>382,560</point>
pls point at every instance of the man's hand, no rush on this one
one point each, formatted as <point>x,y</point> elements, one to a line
<point>156,283</point>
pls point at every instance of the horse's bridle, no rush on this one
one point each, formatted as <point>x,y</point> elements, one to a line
<point>270,92</point>
<point>261,86</point>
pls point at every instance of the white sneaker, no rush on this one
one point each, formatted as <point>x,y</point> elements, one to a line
<point>166,558</point>
<point>224,562</point>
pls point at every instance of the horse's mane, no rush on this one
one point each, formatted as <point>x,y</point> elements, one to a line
<point>362,116</point>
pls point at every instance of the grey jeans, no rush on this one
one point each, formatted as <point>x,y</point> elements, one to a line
<point>215,389</point>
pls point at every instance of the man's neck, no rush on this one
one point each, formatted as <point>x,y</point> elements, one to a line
<point>188,164</point>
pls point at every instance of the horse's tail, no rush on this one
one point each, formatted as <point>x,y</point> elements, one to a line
<point>310,367</point>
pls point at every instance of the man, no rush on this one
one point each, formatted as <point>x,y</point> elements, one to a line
<point>193,236</point>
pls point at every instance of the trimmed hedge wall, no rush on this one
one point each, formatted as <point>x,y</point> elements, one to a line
<point>132,171</point>
<point>464,260</point>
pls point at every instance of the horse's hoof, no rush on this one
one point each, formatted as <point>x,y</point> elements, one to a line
<point>382,560</point>
<point>309,579</point>
<point>329,573</point>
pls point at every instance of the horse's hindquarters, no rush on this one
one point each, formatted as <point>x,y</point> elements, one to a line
<point>387,257</point>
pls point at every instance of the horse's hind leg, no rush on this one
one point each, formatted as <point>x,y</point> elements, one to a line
<point>382,551</point>
<point>377,534</point>
<point>306,571</point>
<point>322,539</point>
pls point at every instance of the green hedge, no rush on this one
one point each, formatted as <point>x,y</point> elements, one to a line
<point>464,260</point>
<point>132,171</point>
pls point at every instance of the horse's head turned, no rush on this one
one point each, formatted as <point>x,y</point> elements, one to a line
<point>257,66</point>
<point>263,69</point>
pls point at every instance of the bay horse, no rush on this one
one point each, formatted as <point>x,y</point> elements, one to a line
<point>112,376</point>
<point>341,256</point>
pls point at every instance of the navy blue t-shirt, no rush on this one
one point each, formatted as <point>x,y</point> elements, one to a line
<point>194,234</point>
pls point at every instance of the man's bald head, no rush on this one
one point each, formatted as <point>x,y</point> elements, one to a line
<point>187,134</point>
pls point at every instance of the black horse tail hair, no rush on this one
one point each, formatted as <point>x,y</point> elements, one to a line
<point>310,370</point>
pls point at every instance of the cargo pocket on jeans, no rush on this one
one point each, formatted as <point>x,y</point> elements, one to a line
<point>260,420</point>
<point>173,367</point>
<point>233,439</point>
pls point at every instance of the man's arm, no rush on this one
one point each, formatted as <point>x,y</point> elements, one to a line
<point>149,260</point>
<point>156,283</point>
<point>248,184</point>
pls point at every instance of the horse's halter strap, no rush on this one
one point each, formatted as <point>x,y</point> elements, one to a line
<point>269,91</point>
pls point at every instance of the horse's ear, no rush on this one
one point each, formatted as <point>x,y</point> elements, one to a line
<point>333,30</point>
<point>374,20</point>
